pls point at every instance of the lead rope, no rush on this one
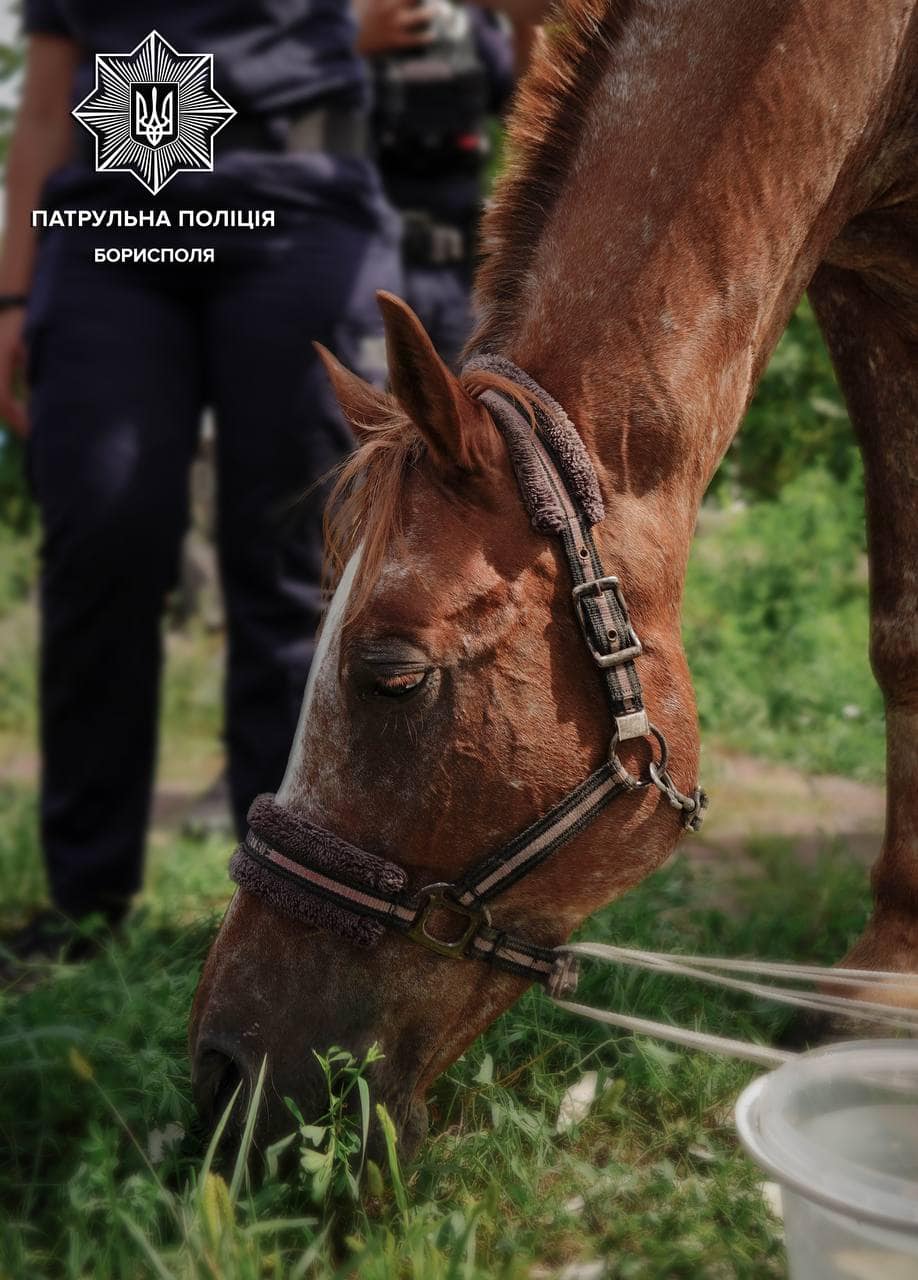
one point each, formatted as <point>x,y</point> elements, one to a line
<point>705,969</point>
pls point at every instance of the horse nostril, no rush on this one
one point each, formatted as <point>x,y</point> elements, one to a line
<point>229,1081</point>
<point>217,1076</point>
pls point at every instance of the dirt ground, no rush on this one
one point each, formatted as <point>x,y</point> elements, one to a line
<point>751,798</point>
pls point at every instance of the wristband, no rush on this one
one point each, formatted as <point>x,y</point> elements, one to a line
<point>10,300</point>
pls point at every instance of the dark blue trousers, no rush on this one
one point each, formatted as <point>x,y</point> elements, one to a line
<point>122,361</point>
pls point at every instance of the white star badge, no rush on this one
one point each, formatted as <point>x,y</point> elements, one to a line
<point>154,112</point>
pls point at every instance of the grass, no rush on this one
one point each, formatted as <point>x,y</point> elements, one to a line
<point>95,1076</point>
<point>776,632</point>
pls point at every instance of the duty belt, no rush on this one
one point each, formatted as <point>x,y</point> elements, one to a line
<point>327,130</point>
<point>331,130</point>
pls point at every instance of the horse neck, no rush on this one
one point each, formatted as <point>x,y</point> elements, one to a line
<point>714,161</point>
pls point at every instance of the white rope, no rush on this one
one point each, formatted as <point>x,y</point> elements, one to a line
<point>765,968</point>
<point>686,967</point>
<point>703,968</point>
<point>760,1053</point>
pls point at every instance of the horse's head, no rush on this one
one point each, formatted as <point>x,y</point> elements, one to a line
<point>451,702</point>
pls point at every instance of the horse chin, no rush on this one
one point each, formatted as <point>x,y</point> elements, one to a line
<point>411,1132</point>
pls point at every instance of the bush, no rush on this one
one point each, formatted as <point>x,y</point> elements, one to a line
<point>775,627</point>
<point>17,511</point>
<point>797,420</point>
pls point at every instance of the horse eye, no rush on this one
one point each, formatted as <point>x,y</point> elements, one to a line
<point>398,684</point>
<point>392,669</point>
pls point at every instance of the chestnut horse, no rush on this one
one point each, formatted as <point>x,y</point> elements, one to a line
<point>680,172</point>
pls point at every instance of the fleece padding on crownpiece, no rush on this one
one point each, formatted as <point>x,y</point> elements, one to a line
<point>559,435</point>
<point>300,841</point>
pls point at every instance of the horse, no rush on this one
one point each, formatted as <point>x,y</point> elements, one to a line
<point>680,172</point>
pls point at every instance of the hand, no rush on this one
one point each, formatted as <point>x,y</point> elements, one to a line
<point>384,25</point>
<point>12,368</point>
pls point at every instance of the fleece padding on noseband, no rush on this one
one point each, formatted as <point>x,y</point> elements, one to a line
<point>282,861</point>
<point>561,437</point>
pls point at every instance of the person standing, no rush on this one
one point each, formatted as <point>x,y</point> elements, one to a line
<point>120,360</point>
<point>440,70</point>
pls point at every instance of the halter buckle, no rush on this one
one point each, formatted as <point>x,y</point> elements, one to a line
<point>596,587</point>
<point>438,897</point>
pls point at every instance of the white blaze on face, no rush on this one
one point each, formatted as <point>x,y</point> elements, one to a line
<point>330,629</point>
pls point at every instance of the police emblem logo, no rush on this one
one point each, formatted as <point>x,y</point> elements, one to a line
<point>154,112</point>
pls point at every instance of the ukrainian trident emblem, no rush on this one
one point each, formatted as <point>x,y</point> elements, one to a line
<point>154,112</point>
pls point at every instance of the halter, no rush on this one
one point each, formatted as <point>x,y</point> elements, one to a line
<point>315,876</point>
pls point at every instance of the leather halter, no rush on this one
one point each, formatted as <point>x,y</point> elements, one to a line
<point>291,862</point>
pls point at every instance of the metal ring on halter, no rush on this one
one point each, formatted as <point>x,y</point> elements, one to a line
<point>662,767</point>
<point>638,784</point>
<point>652,768</point>
<point>692,806</point>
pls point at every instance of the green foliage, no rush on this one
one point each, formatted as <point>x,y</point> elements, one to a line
<point>17,569</point>
<point>17,510</point>
<point>16,507</point>
<point>18,565</point>
<point>775,627</point>
<point>330,1149</point>
<point>11,59</point>
<point>797,420</point>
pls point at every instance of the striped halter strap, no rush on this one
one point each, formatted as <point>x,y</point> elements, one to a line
<point>314,876</point>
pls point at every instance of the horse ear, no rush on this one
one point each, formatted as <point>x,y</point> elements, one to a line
<point>458,429</point>
<point>365,408</point>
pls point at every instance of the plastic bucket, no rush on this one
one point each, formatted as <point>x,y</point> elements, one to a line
<point>838,1130</point>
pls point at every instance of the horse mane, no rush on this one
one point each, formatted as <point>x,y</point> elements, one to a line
<point>550,105</point>
<point>364,508</point>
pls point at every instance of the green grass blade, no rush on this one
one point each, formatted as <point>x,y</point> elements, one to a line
<point>272,1226</point>
<point>363,1089</point>
<point>146,1247</point>
<point>398,1186</point>
<point>245,1146</point>
<point>215,1140</point>
<point>311,1255</point>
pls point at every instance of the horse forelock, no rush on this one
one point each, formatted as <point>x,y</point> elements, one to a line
<point>366,506</point>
